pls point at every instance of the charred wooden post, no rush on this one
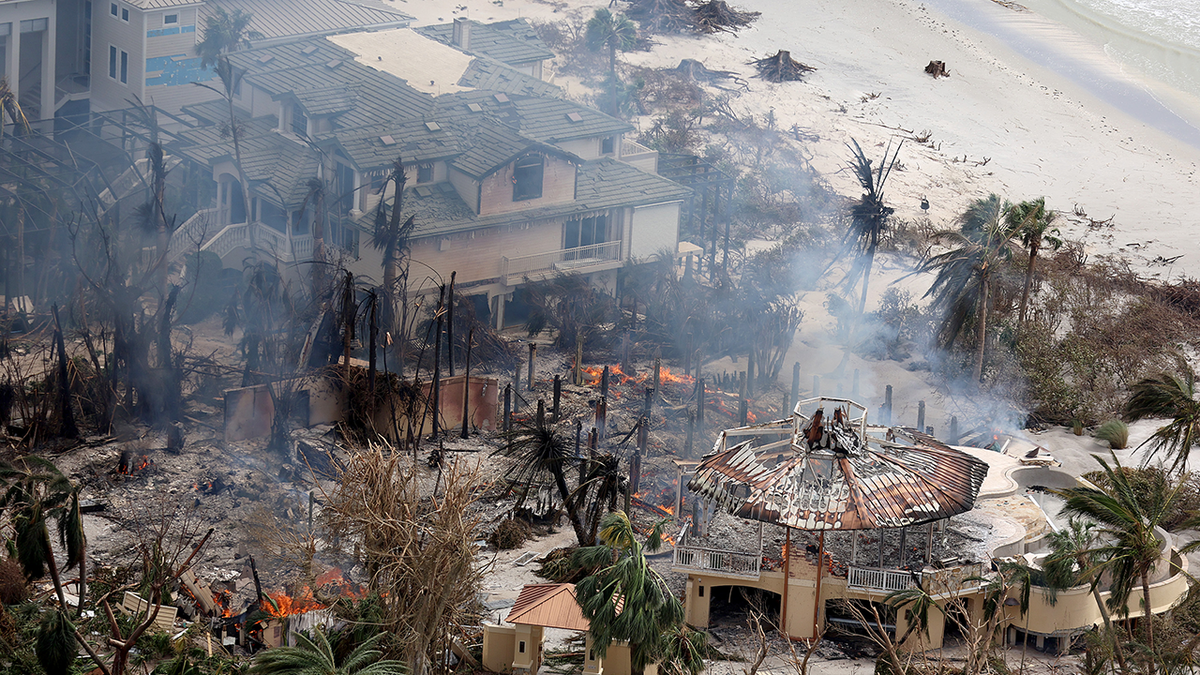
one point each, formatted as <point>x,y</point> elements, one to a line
<point>604,383</point>
<point>750,373</point>
<point>516,381</point>
<point>687,356</point>
<point>903,547</point>
<point>700,403</point>
<point>787,404</point>
<point>887,405</point>
<point>466,411</point>
<point>577,371</point>
<point>953,431</point>
<point>743,406</point>
<point>921,416</point>
<point>601,417</point>
<point>435,389</point>
<point>657,370</point>
<point>593,441</point>
<point>626,354</point>
<point>532,357</point>
<point>635,466</point>
<point>557,397</point>
<point>649,403</point>
<point>507,407</point>
<point>796,381</point>
<point>541,413</point>
<point>372,336</point>
<point>450,325</point>
<point>583,466</point>
<point>816,385</point>
<point>691,433</point>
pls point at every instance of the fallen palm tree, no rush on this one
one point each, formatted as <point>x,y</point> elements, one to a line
<point>716,15</point>
<point>781,68</point>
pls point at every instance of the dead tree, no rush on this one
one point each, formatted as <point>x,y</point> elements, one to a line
<point>716,16</point>
<point>781,68</point>
<point>663,16</point>
<point>937,69</point>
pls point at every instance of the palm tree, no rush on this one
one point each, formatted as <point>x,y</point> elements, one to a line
<point>224,32</point>
<point>1071,563</point>
<point>625,599</point>
<point>1033,224</point>
<point>540,449</point>
<point>55,646</point>
<point>1171,396</point>
<point>392,237</point>
<point>314,656</point>
<point>962,287</point>
<point>613,32</point>
<point>1128,548</point>
<point>869,216</point>
<point>37,494</point>
<point>10,109</point>
<point>917,601</point>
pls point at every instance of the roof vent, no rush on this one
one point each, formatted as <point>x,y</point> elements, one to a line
<point>474,107</point>
<point>309,50</point>
<point>575,117</point>
<point>266,58</point>
<point>433,126</point>
<point>332,65</point>
<point>387,140</point>
<point>501,98</point>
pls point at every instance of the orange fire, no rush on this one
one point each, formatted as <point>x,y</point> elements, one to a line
<point>133,465</point>
<point>286,605</point>
<point>618,376</point>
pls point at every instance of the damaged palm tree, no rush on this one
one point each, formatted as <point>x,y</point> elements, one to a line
<point>781,68</point>
<point>392,236</point>
<point>716,16</point>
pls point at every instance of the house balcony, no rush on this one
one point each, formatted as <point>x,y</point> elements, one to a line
<point>580,260</point>
<point>640,156</point>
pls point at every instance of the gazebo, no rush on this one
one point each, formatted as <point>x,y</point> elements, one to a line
<point>833,475</point>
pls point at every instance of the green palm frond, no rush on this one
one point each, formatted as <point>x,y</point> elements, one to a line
<point>1171,396</point>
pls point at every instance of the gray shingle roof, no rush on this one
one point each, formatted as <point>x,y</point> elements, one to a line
<point>554,120</point>
<point>274,19</point>
<point>512,42</point>
<point>484,73</point>
<point>493,146</point>
<point>412,141</point>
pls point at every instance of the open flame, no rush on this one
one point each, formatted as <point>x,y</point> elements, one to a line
<point>617,375</point>
<point>131,465</point>
<point>286,605</point>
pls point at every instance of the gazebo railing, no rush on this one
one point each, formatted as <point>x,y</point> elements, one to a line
<point>728,563</point>
<point>880,580</point>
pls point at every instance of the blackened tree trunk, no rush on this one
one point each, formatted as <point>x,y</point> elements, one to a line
<point>66,415</point>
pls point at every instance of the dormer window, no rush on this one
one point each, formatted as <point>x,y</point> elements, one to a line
<point>169,19</point>
<point>607,145</point>
<point>424,173</point>
<point>299,122</point>
<point>527,178</point>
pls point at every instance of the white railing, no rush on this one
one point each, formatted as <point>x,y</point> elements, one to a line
<point>880,580</point>
<point>633,149</point>
<point>729,563</point>
<point>231,237</point>
<point>193,232</point>
<point>135,176</point>
<point>302,247</point>
<point>265,237</point>
<point>563,260</point>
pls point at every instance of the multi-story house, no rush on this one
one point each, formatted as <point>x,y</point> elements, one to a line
<point>507,181</point>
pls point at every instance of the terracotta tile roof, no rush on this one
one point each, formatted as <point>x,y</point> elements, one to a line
<point>548,605</point>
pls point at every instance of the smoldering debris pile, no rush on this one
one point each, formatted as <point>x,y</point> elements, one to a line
<point>781,68</point>
<point>678,16</point>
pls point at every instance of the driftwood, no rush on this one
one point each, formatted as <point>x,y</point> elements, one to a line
<point>781,68</point>
<point>663,16</point>
<point>716,15</point>
<point>698,72</point>
<point>937,69</point>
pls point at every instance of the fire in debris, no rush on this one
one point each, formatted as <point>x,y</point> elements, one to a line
<point>286,605</point>
<point>128,464</point>
<point>618,376</point>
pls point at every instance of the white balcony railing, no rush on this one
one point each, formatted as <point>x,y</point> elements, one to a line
<point>880,580</point>
<point>579,259</point>
<point>194,231</point>
<point>729,563</point>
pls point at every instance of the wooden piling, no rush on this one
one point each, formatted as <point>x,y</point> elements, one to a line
<point>450,325</point>
<point>700,403</point>
<point>657,371</point>
<point>577,371</point>
<point>557,397</point>
<point>601,417</point>
<point>953,431</point>
<point>604,383</point>
<point>541,413</point>
<point>508,407</point>
<point>743,406</point>
<point>796,382</point>
<point>921,416</point>
<point>691,433</point>
<point>466,415</point>
<point>532,357</point>
<point>887,405</point>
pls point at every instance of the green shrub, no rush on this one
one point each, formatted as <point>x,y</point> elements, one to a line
<point>1115,433</point>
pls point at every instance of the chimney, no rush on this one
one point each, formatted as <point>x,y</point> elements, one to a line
<point>461,33</point>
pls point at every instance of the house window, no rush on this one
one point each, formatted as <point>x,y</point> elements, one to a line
<point>170,18</point>
<point>527,178</point>
<point>585,231</point>
<point>702,591</point>
<point>299,122</point>
<point>125,14</point>
<point>112,9</point>
<point>112,62</point>
<point>521,647</point>
<point>424,173</point>
<point>607,144</point>
<point>124,67</point>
